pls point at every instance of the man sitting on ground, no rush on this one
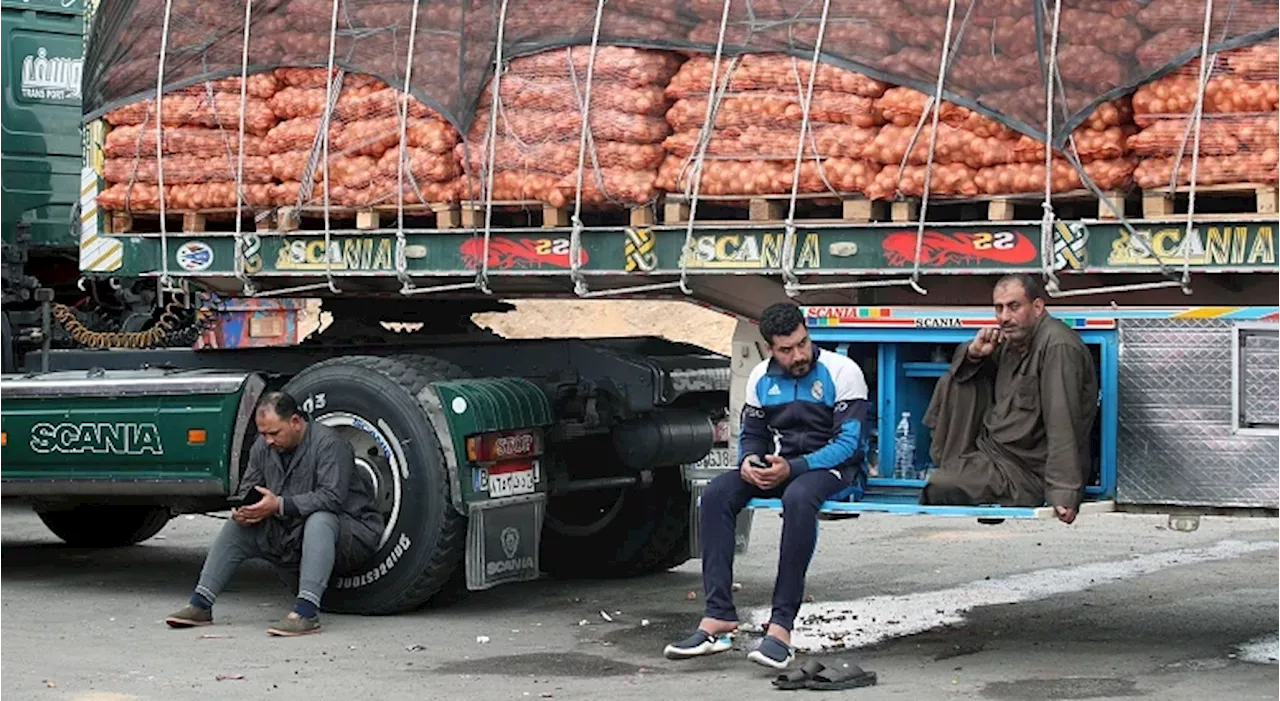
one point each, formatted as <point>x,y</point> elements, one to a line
<point>1012,418</point>
<point>802,439</point>
<point>307,508</point>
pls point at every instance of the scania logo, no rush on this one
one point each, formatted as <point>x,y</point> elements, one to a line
<point>510,541</point>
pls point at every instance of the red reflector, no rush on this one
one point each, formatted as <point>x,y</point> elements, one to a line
<point>502,468</point>
<point>504,445</point>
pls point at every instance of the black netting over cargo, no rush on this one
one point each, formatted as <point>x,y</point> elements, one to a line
<point>999,48</point>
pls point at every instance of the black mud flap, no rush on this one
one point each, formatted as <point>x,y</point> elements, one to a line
<point>503,539</point>
<point>742,528</point>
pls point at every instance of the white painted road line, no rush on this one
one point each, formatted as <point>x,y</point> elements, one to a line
<point>836,625</point>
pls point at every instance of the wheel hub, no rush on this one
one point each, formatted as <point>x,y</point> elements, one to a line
<point>375,461</point>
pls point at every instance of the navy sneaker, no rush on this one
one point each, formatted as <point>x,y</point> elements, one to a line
<point>700,643</point>
<point>773,653</point>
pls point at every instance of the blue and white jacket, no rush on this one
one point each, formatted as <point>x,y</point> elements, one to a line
<point>819,418</point>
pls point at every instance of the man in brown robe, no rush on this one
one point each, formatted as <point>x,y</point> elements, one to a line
<point>1012,418</point>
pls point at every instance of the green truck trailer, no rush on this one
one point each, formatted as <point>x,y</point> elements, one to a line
<point>128,390</point>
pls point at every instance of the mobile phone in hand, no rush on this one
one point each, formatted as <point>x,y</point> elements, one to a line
<point>757,463</point>
<point>253,496</point>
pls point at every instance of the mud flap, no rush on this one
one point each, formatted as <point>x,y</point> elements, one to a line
<point>742,529</point>
<point>503,540</point>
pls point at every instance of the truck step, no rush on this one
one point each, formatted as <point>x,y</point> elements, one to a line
<point>906,508</point>
<point>1239,198</point>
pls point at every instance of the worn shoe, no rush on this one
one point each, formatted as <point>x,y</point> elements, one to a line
<point>190,616</point>
<point>293,625</point>
<point>700,643</point>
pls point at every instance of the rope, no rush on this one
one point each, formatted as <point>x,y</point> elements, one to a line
<point>482,275</point>
<point>1197,119</point>
<point>933,104</point>
<point>789,238</point>
<point>330,97</point>
<point>402,259</point>
<point>244,93</point>
<point>1047,217</point>
<point>704,140</point>
<point>944,64</point>
<point>575,235</point>
<point>165,280</point>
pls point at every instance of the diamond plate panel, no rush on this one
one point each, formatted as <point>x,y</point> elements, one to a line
<point>1260,374</point>
<point>1176,440</point>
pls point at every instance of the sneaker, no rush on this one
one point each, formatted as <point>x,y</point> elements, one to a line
<point>773,653</point>
<point>700,643</point>
<point>190,616</point>
<point>293,625</point>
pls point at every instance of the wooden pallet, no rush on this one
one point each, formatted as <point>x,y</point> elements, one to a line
<point>446,215</point>
<point>1242,198</point>
<point>473,213</point>
<point>1004,207</point>
<point>773,208</point>
<point>186,221</point>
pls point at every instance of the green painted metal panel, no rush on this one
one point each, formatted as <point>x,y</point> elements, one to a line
<point>41,149</point>
<point>1225,245</point>
<point>486,405</point>
<point>118,438</point>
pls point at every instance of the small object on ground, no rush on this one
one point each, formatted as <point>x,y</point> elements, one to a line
<point>809,598</point>
<point>819,677</point>
<point>698,644</point>
<point>691,596</point>
<point>416,647</point>
<point>797,678</point>
<point>215,636</point>
<point>644,622</point>
<point>482,639</point>
<point>229,676</point>
<point>843,675</point>
<point>50,683</point>
<point>772,652</point>
<point>583,622</point>
<point>606,617</point>
<point>737,586</point>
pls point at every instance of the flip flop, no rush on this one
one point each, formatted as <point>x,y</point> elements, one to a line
<point>841,676</point>
<point>798,678</point>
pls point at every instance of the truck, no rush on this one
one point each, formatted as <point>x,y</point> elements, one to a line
<point>130,393</point>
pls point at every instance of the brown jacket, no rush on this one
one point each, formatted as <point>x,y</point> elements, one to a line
<point>1043,407</point>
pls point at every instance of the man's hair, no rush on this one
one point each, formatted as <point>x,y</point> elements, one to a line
<point>281,404</point>
<point>1029,283</point>
<point>780,320</point>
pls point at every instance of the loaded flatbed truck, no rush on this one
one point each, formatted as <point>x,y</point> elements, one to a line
<point>497,461</point>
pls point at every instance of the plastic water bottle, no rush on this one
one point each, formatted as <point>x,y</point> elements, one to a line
<point>904,442</point>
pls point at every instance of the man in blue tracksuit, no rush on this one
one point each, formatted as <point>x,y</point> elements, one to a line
<point>802,439</point>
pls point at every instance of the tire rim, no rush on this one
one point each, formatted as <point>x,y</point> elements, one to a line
<point>375,459</point>
<point>577,506</point>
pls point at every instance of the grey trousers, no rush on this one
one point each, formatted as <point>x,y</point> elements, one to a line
<point>236,543</point>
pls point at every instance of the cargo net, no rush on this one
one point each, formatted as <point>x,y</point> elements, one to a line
<point>597,104</point>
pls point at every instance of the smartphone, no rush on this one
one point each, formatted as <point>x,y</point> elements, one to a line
<point>758,463</point>
<point>252,497</point>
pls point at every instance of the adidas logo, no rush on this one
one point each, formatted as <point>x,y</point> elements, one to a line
<point>774,390</point>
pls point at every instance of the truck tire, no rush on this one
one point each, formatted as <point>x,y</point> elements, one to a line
<point>373,402</point>
<point>106,526</point>
<point>647,532</point>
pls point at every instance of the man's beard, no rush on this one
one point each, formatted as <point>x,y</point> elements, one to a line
<point>800,369</point>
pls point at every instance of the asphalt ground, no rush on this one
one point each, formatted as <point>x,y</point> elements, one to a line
<point>1115,607</point>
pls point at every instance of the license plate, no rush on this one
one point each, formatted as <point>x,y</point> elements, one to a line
<point>717,459</point>
<point>510,483</point>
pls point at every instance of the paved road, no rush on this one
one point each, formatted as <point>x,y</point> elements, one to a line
<point>1117,606</point>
